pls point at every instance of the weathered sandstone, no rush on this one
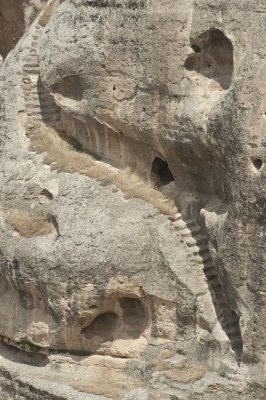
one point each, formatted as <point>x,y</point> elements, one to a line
<point>104,293</point>
<point>15,18</point>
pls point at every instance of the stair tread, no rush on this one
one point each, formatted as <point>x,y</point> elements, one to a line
<point>205,256</point>
<point>31,65</point>
<point>215,285</point>
<point>195,229</point>
<point>195,250</point>
<point>175,217</point>
<point>201,238</point>
<point>190,241</point>
<point>32,58</point>
<point>179,224</point>
<point>30,70</point>
<point>185,232</point>
<point>210,271</point>
<point>204,247</point>
<point>197,258</point>
<point>208,266</point>
<point>213,277</point>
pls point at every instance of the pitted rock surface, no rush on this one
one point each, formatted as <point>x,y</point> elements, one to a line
<point>115,299</point>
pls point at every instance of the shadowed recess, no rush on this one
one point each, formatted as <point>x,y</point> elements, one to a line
<point>258,163</point>
<point>160,172</point>
<point>134,316</point>
<point>103,326</point>
<point>70,86</point>
<point>213,57</point>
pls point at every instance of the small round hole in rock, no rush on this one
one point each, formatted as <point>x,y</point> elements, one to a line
<point>191,63</point>
<point>258,163</point>
<point>47,194</point>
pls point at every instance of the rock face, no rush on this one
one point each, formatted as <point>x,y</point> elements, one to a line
<point>15,17</point>
<point>12,24</point>
<point>91,281</point>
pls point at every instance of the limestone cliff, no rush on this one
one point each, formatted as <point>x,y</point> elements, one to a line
<point>132,209</point>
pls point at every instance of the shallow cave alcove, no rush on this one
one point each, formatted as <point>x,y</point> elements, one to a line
<point>103,326</point>
<point>160,172</point>
<point>213,57</point>
<point>69,86</point>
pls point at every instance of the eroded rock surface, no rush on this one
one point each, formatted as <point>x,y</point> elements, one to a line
<point>171,306</point>
<point>15,18</point>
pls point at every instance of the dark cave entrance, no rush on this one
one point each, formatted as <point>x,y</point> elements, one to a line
<point>160,172</point>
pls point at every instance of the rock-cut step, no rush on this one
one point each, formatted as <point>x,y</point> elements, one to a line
<point>39,97</point>
<point>211,272</point>
<point>198,240</point>
<point>35,104</point>
<point>31,69</point>
<point>31,59</point>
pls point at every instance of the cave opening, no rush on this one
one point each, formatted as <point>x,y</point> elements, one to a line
<point>160,172</point>
<point>212,57</point>
<point>258,163</point>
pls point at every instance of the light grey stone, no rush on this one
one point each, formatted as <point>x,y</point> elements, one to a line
<point>171,89</point>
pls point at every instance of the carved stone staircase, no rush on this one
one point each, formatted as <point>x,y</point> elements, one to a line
<point>39,103</point>
<point>197,243</point>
